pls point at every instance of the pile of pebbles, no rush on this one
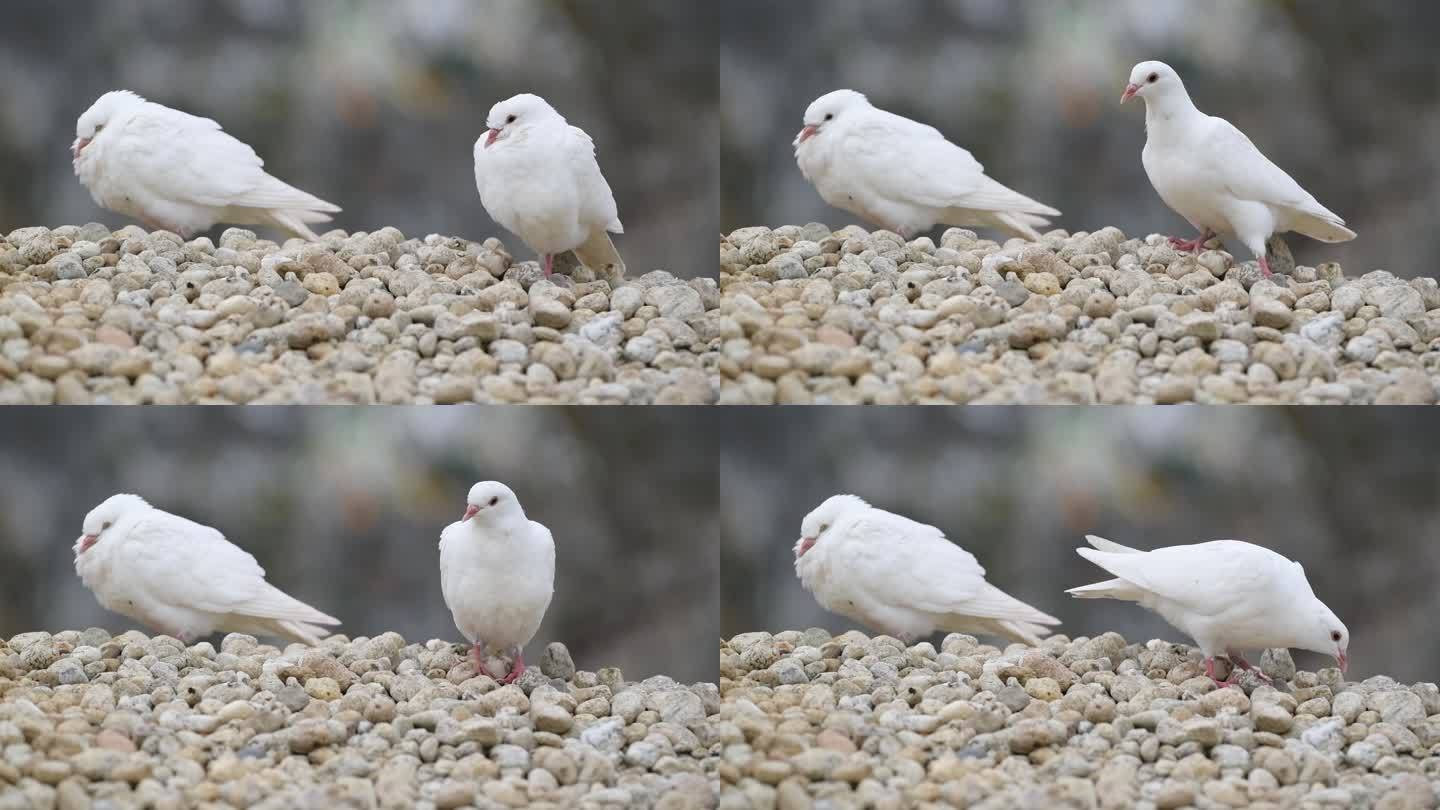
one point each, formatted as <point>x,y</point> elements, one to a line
<point>130,317</point>
<point>815,316</point>
<point>133,721</point>
<point>810,720</point>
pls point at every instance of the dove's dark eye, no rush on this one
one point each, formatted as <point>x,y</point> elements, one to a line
<point>829,116</point>
<point>1154,77</point>
<point>1334,635</point>
<point>510,120</point>
<point>494,500</point>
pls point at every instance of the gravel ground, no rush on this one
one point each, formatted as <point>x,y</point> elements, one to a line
<point>132,721</point>
<point>811,316</point>
<point>87,315</point>
<point>810,720</point>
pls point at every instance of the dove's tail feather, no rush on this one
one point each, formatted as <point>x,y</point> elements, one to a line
<point>1110,545</point>
<point>294,222</point>
<point>1319,223</point>
<point>1109,589</point>
<point>992,196</point>
<point>599,254</point>
<point>273,603</point>
<point>992,603</point>
<point>295,631</point>
<point>1022,224</point>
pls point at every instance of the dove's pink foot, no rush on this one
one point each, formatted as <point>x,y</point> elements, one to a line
<point>517,669</point>
<point>1265,267</point>
<point>1192,245</point>
<point>1210,673</point>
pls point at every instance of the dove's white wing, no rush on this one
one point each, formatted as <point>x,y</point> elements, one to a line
<point>907,161</point>
<point>898,561</point>
<point>189,159</point>
<point>597,202</point>
<point>1240,169</point>
<point>183,563</point>
<point>1204,579</point>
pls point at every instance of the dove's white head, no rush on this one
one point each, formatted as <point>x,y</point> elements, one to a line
<point>829,108</point>
<point>491,503</point>
<point>516,115</point>
<point>1324,633</point>
<point>111,108</point>
<point>104,517</point>
<point>822,518</point>
<point>1152,80</point>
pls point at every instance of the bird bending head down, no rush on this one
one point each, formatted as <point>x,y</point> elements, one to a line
<point>821,518</point>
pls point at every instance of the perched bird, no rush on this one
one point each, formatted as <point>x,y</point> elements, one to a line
<point>901,174</point>
<point>1228,595</point>
<point>538,178</point>
<point>183,578</point>
<point>497,573</point>
<point>178,172</point>
<point>903,578</point>
<point>1213,176</point>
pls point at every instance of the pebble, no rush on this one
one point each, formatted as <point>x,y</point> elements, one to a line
<point>1073,723</point>
<point>368,722</point>
<point>814,316</point>
<point>130,317</point>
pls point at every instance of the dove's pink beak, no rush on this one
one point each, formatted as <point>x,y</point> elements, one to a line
<point>1130,91</point>
<point>806,543</point>
<point>79,146</point>
<point>1342,659</point>
<point>87,541</point>
<point>490,136</point>
<point>470,511</point>
<point>806,134</point>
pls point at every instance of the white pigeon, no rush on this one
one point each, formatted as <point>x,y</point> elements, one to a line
<point>1213,176</point>
<point>538,178</point>
<point>497,573</point>
<point>183,578</point>
<point>178,172</point>
<point>901,174</point>
<point>903,578</point>
<point>1228,595</point>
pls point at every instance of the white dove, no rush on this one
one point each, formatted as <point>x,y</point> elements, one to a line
<point>901,174</point>
<point>1213,176</point>
<point>497,573</point>
<point>183,578</point>
<point>538,178</point>
<point>178,172</point>
<point>902,577</point>
<point>1228,595</point>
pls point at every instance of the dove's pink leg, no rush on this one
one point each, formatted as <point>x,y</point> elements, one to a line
<point>477,652</point>
<point>1239,661</point>
<point>1265,267</point>
<point>517,669</point>
<point>549,265</point>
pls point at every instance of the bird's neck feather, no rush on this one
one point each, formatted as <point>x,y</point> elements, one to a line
<point>1165,111</point>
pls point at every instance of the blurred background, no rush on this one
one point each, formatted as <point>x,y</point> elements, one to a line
<point>375,105</point>
<point>1343,96</point>
<point>1353,495</point>
<point>344,509</point>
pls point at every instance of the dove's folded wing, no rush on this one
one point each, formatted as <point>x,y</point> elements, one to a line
<point>189,159</point>
<point>184,563</point>
<point>1245,173</point>
<point>597,201</point>
<point>899,561</point>
<point>907,161</point>
<point>1205,578</point>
